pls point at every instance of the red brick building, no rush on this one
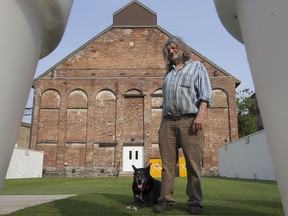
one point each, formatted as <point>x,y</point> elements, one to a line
<point>98,110</point>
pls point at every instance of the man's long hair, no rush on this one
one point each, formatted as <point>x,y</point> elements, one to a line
<point>179,44</point>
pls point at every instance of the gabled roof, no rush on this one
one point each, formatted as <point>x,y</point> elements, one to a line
<point>134,13</point>
<point>149,20</point>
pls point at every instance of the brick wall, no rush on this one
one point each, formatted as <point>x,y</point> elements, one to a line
<point>107,95</point>
<point>23,137</point>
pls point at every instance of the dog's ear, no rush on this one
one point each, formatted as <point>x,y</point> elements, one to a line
<point>134,168</point>
<point>148,167</point>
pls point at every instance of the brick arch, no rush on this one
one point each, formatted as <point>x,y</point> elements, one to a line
<point>76,127</point>
<point>106,94</point>
<point>49,116</point>
<point>158,91</point>
<point>134,92</point>
<point>77,116</point>
<point>220,98</point>
<point>219,127</point>
<point>50,99</point>
<point>157,100</point>
<point>133,117</point>
<point>48,127</point>
<point>105,116</point>
<point>77,99</point>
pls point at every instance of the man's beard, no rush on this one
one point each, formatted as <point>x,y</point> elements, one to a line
<point>175,58</point>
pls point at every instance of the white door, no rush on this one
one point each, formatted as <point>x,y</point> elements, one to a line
<point>132,155</point>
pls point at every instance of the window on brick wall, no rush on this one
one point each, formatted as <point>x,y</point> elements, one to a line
<point>157,100</point>
<point>134,117</point>
<point>76,130</point>
<point>105,117</point>
<point>219,115</point>
<point>49,116</point>
<point>47,135</point>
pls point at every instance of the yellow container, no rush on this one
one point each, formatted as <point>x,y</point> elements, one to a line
<point>156,167</point>
<point>182,167</point>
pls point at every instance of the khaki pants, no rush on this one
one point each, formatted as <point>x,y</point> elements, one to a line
<point>173,135</point>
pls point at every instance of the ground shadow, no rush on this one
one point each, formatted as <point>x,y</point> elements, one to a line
<point>115,204</point>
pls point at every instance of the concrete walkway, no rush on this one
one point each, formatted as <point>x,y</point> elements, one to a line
<point>11,203</point>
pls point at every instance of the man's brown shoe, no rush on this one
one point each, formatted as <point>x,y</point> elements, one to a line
<point>162,207</point>
<point>195,209</point>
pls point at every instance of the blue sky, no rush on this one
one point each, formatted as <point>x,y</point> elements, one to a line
<point>195,21</point>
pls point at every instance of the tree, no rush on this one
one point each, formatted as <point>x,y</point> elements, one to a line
<point>246,103</point>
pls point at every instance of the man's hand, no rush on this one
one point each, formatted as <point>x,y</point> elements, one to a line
<point>197,123</point>
<point>199,119</point>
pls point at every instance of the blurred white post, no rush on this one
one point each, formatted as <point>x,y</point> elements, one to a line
<point>30,30</point>
<point>262,25</point>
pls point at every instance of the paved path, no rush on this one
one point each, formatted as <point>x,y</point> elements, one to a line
<point>11,203</point>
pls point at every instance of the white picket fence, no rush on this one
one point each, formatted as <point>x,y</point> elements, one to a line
<point>25,163</point>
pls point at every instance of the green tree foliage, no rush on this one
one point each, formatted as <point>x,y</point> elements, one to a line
<point>246,105</point>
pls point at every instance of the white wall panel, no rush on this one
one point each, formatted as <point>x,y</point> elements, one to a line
<point>25,163</point>
<point>246,158</point>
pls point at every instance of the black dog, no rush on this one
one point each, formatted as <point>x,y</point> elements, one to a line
<point>146,189</point>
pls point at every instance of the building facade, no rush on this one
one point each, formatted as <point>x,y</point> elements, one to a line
<point>98,110</point>
<point>23,137</point>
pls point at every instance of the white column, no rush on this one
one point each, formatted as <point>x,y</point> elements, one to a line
<point>263,27</point>
<point>30,29</point>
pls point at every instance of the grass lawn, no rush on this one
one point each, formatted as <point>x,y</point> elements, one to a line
<point>110,196</point>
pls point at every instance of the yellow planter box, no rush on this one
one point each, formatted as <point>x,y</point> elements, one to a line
<point>156,167</point>
<point>182,167</point>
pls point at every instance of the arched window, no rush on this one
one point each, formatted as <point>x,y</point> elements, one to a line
<point>77,116</point>
<point>157,100</point>
<point>76,129</point>
<point>105,117</point>
<point>134,117</point>
<point>219,117</point>
<point>48,126</point>
<point>49,116</point>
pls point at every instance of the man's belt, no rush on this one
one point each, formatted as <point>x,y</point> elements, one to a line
<point>177,118</point>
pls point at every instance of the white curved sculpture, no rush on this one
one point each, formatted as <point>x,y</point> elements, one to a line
<point>30,30</point>
<point>262,26</point>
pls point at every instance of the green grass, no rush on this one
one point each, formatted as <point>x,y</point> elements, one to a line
<point>110,196</point>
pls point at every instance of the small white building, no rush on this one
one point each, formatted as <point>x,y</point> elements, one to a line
<point>246,158</point>
<point>25,163</point>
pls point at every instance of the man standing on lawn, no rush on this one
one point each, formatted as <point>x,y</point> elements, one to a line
<point>186,95</point>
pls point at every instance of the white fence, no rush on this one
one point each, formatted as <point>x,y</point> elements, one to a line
<point>25,163</point>
<point>246,158</point>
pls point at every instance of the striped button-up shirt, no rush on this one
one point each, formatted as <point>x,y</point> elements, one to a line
<point>183,90</point>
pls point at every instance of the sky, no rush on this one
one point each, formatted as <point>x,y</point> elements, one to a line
<point>195,21</point>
